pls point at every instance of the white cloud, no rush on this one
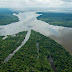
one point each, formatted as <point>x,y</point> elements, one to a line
<point>36,3</point>
<point>66,0</point>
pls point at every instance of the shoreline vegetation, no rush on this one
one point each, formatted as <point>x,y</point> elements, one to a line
<point>9,44</point>
<point>26,59</point>
<point>7,17</point>
<point>57,19</point>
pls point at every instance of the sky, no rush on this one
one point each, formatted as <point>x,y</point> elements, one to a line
<point>18,4</point>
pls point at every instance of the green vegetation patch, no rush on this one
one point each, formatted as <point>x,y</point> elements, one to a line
<point>7,17</point>
<point>9,44</point>
<point>26,59</point>
<point>60,19</point>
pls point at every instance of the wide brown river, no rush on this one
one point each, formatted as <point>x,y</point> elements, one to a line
<point>62,35</point>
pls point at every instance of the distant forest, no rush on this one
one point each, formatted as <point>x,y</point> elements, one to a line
<point>59,19</point>
<point>7,17</point>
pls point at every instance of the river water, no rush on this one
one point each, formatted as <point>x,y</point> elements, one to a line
<point>25,40</point>
<point>62,35</point>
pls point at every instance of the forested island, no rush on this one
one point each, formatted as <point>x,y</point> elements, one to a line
<point>7,17</point>
<point>27,59</point>
<point>59,19</point>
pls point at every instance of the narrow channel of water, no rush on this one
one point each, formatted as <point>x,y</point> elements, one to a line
<point>51,61</point>
<point>37,46</point>
<point>25,40</point>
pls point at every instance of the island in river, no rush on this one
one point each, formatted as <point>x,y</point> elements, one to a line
<point>26,59</point>
<point>59,19</point>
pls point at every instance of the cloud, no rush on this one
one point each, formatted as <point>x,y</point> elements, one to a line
<point>66,0</point>
<point>18,4</point>
<point>28,3</point>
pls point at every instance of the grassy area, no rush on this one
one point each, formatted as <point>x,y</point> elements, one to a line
<point>8,45</point>
<point>7,17</point>
<point>60,19</point>
<point>26,59</point>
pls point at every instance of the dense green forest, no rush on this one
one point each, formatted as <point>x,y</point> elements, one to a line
<point>7,17</point>
<point>26,59</point>
<point>9,44</point>
<point>60,19</point>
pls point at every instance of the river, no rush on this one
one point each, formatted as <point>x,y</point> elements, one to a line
<point>25,40</point>
<point>62,35</point>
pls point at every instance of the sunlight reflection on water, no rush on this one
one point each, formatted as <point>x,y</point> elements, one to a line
<point>60,34</point>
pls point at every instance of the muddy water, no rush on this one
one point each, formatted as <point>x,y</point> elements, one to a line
<point>62,35</point>
<point>65,39</point>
